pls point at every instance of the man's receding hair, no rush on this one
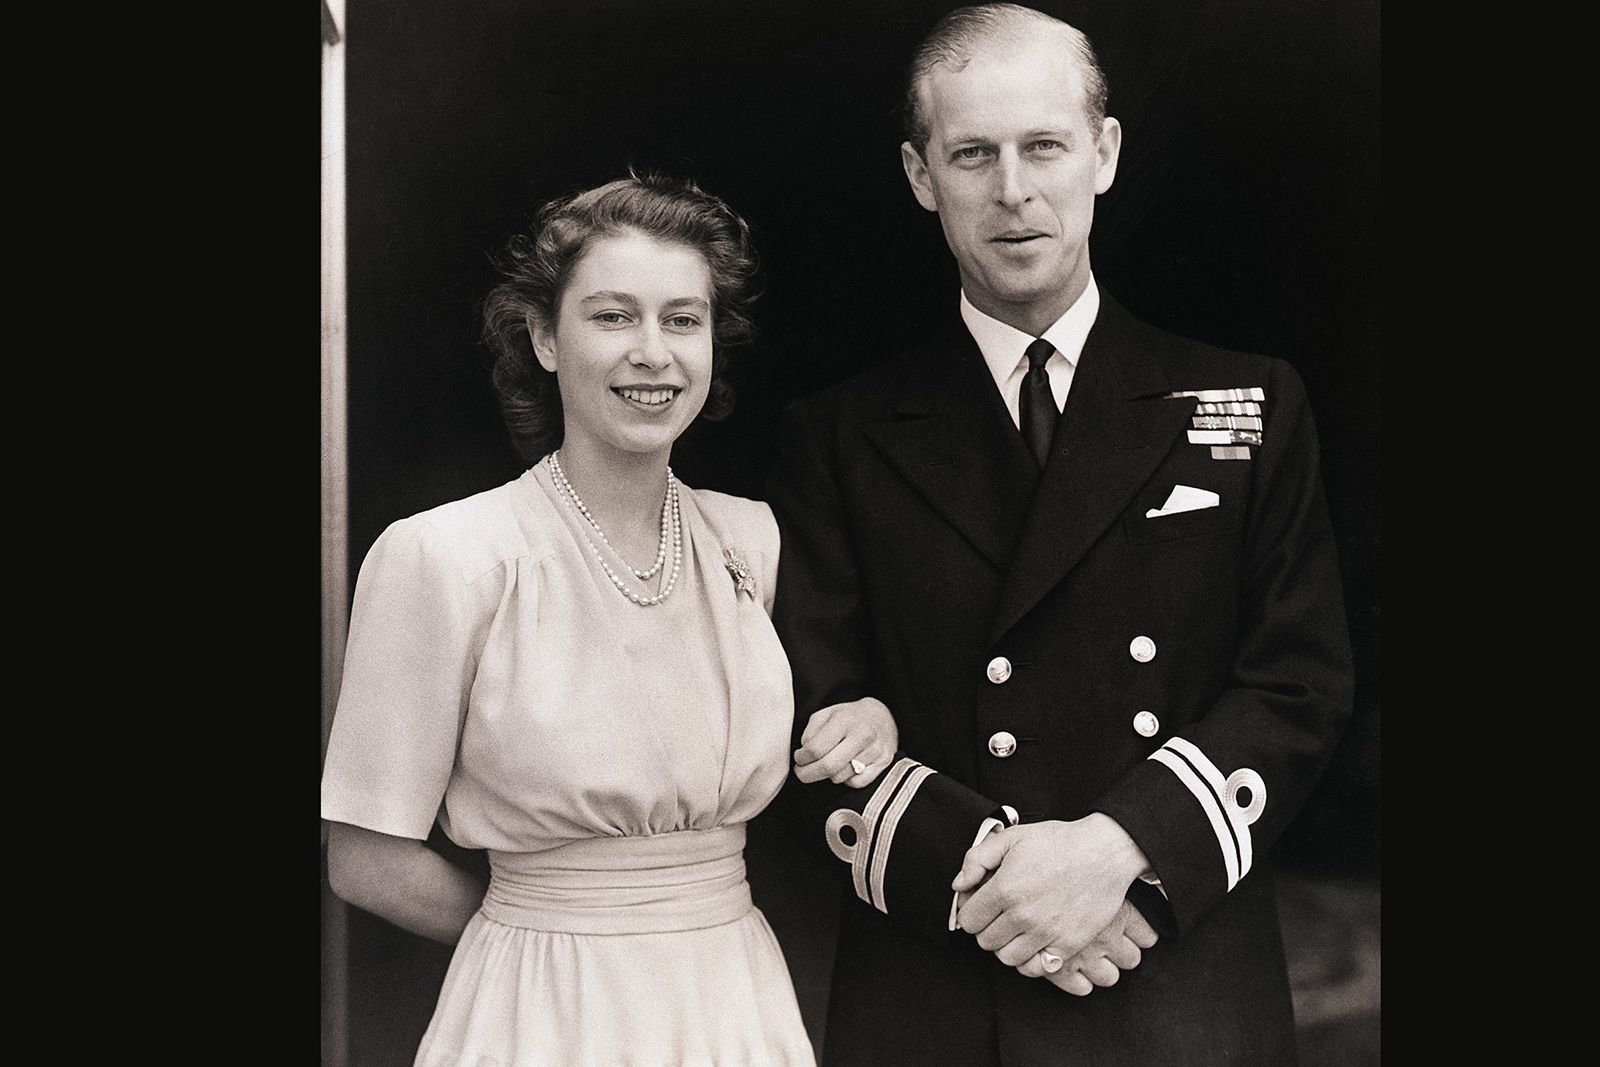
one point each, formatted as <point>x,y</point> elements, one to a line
<point>956,37</point>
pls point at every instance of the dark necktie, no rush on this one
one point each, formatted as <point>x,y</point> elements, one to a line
<point>1036,407</point>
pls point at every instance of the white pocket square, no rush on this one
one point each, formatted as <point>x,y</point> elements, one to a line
<point>1185,498</point>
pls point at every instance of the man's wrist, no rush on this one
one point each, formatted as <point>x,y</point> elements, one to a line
<point>1126,858</point>
<point>1003,816</point>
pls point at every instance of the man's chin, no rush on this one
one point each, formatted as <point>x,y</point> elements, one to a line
<point>1016,293</point>
<point>1023,281</point>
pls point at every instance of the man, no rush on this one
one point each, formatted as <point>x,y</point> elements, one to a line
<point>1088,566</point>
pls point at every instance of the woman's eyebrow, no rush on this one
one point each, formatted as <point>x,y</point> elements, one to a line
<point>689,302</point>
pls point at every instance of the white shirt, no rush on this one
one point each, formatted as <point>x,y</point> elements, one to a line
<point>1005,348</point>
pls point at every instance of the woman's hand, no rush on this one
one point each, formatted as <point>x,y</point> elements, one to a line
<point>860,730</point>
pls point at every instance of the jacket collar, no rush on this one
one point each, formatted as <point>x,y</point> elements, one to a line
<point>951,438</point>
<point>1116,429</point>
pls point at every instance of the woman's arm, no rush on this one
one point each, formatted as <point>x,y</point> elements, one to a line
<point>862,730</point>
<point>401,880</point>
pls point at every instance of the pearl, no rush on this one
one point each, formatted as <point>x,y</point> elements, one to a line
<point>671,529</point>
<point>661,545</point>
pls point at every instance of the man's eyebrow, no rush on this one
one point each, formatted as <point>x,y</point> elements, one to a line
<point>1050,133</point>
<point>1057,133</point>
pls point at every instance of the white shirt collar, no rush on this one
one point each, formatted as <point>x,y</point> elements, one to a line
<point>1005,347</point>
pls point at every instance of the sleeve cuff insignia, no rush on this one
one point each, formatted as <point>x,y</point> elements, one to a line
<point>1219,798</point>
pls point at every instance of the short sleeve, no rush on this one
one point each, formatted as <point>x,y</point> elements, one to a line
<point>768,540</point>
<point>408,670</point>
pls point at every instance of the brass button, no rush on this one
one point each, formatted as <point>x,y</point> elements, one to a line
<point>1145,724</point>
<point>1142,649</point>
<point>999,670</point>
<point>1002,744</point>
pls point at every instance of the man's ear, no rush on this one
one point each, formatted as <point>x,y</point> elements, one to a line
<point>917,175</point>
<point>1106,151</point>
<point>544,343</point>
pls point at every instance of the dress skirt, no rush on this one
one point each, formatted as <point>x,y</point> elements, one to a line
<point>619,952</point>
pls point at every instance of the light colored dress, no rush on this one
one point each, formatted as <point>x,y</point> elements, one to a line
<point>607,756</point>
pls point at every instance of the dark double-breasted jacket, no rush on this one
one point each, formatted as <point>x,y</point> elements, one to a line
<point>1048,645</point>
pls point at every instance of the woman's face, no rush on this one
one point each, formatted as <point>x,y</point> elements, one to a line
<point>631,344</point>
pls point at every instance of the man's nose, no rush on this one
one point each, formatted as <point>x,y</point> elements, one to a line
<point>1012,189</point>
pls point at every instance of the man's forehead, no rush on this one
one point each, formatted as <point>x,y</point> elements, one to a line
<point>1010,90</point>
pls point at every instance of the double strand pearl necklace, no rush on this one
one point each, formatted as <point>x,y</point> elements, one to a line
<point>671,530</point>
<point>572,494</point>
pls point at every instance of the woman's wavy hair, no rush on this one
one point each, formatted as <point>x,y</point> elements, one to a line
<point>537,264</point>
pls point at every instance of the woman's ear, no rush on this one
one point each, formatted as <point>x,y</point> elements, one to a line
<point>544,343</point>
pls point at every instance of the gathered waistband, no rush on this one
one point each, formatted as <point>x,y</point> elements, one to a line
<point>685,880</point>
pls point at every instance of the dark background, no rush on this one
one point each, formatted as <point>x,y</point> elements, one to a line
<point>1245,213</point>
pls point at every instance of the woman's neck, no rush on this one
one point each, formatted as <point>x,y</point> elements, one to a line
<point>623,492</point>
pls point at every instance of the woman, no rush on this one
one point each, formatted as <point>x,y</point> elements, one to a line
<point>576,672</point>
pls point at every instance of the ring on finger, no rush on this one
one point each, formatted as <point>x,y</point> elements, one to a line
<point>857,766</point>
<point>1049,961</point>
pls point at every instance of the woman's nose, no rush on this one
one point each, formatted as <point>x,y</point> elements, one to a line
<point>652,350</point>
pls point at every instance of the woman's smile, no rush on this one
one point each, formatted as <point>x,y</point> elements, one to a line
<point>648,397</point>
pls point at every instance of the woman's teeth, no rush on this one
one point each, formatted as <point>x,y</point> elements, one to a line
<point>648,396</point>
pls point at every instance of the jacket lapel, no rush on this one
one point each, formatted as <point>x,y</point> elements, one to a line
<point>951,438</point>
<point>1117,428</point>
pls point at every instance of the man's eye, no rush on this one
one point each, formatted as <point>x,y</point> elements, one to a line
<point>1047,146</point>
<point>970,154</point>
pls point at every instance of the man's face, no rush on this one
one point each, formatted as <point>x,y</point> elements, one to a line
<point>1013,168</point>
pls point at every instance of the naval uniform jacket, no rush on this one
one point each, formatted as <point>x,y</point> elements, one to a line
<point>1188,675</point>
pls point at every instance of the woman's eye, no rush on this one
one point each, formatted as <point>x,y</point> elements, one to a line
<point>683,322</point>
<point>611,318</point>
